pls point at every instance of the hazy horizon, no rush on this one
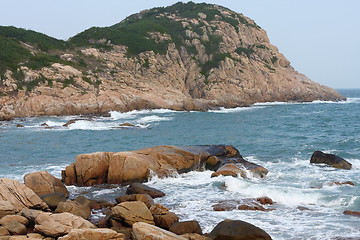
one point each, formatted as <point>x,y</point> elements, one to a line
<point>319,38</point>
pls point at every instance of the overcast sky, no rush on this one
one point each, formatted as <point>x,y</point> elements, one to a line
<point>321,38</point>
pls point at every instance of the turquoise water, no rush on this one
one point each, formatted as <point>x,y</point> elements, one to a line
<point>278,136</point>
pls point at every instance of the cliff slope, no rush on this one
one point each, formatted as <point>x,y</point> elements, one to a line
<point>186,56</point>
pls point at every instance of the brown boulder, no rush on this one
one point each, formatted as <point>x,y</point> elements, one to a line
<point>87,202</point>
<point>16,218</point>
<point>143,231</point>
<point>19,195</point>
<point>225,205</point>
<point>229,169</point>
<point>343,183</point>
<point>58,224</point>
<point>145,198</point>
<point>181,228</point>
<point>245,204</point>
<point>6,208</point>
<point>132,212</point>
<point>74,208</point>
<point>19,125</point>
<point>330,159</point>
<point>44,183</point>
<point>237,230</point>
<point>139,188</point>
<point>53,199</point>
<point>163,217</point>
<point>4,232</point>
<point>124,230</point>
<point>16,228</point>
<point>126,125</point>
<point>212,163</point>
<point>93,234</point>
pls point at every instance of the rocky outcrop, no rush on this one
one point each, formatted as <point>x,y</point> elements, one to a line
<point>330,159</point>
<point>243,68</point>
<point>44,183</point>
<point>245,204</point>
<point>135,166</point>
<point>144,231</point>
<point>237,230</point>
<point>19,196</point>
<point>55,225</point>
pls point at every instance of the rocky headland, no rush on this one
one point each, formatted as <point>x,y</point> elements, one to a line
<point>183,57</point>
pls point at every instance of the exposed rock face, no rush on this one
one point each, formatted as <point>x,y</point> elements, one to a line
<point>237,230</point>
<point>144,231</point>
<point>163,217</point>
<point>74,208</point>
<point>181,228</point>
<point>54,225</point>
<point>135,166</point>
<point>19,196</point>
<point>330,159</point>
<point>250,70</point>
<point>44,183</point>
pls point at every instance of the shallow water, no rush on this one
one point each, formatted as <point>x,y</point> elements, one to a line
<point>279,136</point>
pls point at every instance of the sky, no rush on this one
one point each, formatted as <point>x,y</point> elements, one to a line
<point>321,38</point>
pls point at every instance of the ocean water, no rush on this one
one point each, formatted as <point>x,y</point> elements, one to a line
<point>279,136</point>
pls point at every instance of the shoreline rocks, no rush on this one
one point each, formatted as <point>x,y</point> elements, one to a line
<point>135,166</point>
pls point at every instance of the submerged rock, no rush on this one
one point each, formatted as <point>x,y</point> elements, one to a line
<point>330,159</point>
<point>237,230</point>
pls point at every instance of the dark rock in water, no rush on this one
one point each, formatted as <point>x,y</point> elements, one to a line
<point>53,199</point>
<point>145,198</point>
<point>237,230</point>
<point>212,163</point>
<point>353,213</point>
<point>139,188</point>
<point>245,204</point>
<point>19,126</point>
<point>330,159</point>
<point>225,205</point>
<point>181,228</point>
<point>229,169</point>
<point>44,125</point>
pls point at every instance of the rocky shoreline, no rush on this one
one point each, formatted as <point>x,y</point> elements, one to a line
<point>39,208</point>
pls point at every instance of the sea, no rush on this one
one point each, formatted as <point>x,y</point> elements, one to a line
<point>278,136</point>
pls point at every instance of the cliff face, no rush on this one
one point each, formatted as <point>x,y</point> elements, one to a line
<point>187,56</point>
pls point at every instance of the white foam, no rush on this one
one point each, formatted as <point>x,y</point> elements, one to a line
<point>153,118</point>
<point>232,110</point>
<point>91,125</point>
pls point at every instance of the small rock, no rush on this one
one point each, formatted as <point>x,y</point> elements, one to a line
<point>19,125</point>
<point>53,199</point>
<point>4,231</point>
<point>237,230</point>
<point>330,159</point>
<point>16,218</point>
<point>343,183</point>
<point>6,208</point>
<point>225,206</point>
<point>144,231</point>
<point>195,236</point>
<point>145,198</point>
<point>132,212</point>
<point>163,217</point>
<point>44,125</point>
<point>74,208</point>
<point>30,215</point>
<point>229,169</point>
<point>93,234</point>
<point>136,188</point>
<point>212,162</point>
<point>127,125</point>
<point>181,228</point>
<point>69,122</point>
<point>16,228</point>
<point>265,200</point>
<point>353,213</point>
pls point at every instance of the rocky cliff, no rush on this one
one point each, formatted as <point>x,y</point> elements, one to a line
<point>186,56</point>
